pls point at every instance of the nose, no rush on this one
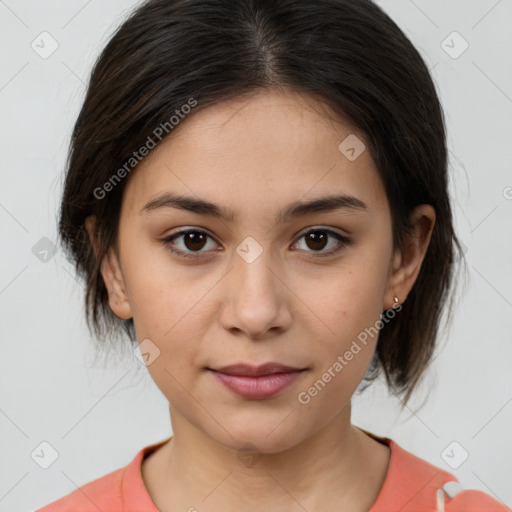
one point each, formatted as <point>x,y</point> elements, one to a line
<point>256,298</point>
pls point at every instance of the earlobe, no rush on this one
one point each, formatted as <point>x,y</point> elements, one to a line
<point>407,263</point>
<point>112,276</point>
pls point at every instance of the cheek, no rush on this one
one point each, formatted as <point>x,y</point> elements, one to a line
<point>163,295</point>
<point>168,307</point>
<point>342,357</point>
<point>348,304</point>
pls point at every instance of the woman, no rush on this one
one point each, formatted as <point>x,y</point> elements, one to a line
<point>257,196</point>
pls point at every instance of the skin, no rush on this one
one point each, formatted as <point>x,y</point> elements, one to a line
<point>256,155</point>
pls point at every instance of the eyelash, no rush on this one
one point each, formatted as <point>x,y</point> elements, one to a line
<point>169,245</point>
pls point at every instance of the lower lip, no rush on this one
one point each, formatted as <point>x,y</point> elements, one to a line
<point>257,388</point>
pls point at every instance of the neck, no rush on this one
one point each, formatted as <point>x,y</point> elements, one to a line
<point>325,471</point>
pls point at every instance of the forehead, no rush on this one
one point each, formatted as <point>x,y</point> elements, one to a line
<point>268,148</point>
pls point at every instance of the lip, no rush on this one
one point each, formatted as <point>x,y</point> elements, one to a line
<point>247,370</point>
<point>257,382</point>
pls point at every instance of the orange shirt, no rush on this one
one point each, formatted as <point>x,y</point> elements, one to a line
<point>411,485</point>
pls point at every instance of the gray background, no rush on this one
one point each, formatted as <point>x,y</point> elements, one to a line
<point>97,414</point>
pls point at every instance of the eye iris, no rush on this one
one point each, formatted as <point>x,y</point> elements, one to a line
<point>316,237</point>
<point>192,238</point>
<point>195,240</point>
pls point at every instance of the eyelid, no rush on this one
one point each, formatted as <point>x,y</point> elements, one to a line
<point>328,229</point>
<point>167,242</point>
<point>343,239</point>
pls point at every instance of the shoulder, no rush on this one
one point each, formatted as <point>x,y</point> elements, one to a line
<point>104,493</point>
<point>121,490</point>
<point>469,500</point>
<point>414,485</point>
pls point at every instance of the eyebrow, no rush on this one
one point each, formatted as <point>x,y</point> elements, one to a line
<point>295,209</point>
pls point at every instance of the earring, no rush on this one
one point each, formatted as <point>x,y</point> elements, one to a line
<point>396,301</point>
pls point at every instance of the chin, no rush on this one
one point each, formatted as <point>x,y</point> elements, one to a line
<point>259,436</point>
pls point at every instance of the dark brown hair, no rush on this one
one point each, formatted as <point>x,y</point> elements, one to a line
<point>348,53</point>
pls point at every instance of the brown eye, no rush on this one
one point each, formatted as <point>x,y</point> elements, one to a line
<point>316,240</point>
<point>192,241</point>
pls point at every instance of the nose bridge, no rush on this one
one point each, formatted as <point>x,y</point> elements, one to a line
<point>254,264</point>
<point>254,302</point>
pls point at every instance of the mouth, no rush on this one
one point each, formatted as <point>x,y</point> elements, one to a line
<point>257,382</point>
<point>247,370</point>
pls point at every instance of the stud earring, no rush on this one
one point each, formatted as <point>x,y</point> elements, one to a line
<point>396,301</point>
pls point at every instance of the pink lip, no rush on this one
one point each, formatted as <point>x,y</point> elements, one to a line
<point>257,382</point>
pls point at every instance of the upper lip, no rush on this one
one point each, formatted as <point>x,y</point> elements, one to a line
<point>256,371</point>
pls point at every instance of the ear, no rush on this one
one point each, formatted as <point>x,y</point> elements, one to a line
<point>112,275</point>
<point>406,264</point>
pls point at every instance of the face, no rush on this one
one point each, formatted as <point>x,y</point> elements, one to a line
<point>240,282</point>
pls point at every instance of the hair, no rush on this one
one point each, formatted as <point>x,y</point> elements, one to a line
<point>349,54</point>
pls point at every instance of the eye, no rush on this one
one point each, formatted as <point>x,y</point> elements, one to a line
<point>318,238</point>
<point>192,240</point>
